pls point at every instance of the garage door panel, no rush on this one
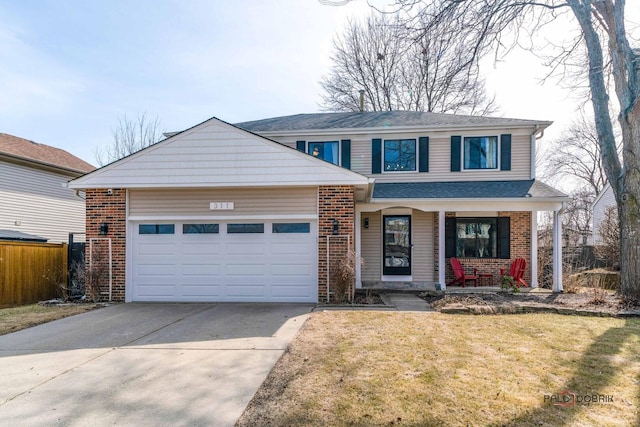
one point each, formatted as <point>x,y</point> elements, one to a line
<point>238,266</point>
<point>155,249</point>
<point>299,270</point>
<point>156,290</point>
<point>204,270</point>
<point>200,290</point>
<point>290,248</point>
<point>244,248</point>
<point>246,290</point>
<point>245,269</point>
<point>156,270</point>
<point>290,291</point>
<point>201,249</point>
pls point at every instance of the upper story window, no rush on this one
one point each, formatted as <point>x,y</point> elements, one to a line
<point>399,155</point>
<point>328,151</point>
<point>481,152</point>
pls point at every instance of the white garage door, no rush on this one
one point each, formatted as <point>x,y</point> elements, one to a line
<point>219,261</point>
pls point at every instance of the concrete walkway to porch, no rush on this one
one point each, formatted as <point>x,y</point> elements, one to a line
<point>405,302</point>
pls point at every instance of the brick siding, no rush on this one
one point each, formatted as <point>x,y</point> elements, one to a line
<point>334,202</point>
<point>520,231</point>
<point>110,209</point>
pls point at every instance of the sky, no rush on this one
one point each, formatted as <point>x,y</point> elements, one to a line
<point>70,69</point>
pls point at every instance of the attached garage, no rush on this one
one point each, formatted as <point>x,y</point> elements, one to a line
<point>271,261</point>
<point>216,213</point>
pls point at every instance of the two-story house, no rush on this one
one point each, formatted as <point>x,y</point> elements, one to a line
<point>35,204</point>
<point>258,211</point>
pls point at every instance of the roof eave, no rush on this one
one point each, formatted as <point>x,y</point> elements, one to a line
<point>536,126</point>
<point>43,165</point>
<point>474,199</point>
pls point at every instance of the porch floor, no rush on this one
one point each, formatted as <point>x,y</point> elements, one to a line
<point>413,287</point>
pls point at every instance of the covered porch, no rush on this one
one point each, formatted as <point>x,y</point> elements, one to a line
<point>406,242</point>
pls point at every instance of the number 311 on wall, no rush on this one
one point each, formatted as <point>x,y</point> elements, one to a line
<point>221,206</point>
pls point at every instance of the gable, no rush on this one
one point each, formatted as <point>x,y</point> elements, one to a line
<point>217,154</point>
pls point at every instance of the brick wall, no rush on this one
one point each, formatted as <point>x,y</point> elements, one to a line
<point>103,207</point>
<point>334,202</point>
<point>520,230</point>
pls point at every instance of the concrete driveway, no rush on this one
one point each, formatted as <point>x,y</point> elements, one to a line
<point>144,364</point>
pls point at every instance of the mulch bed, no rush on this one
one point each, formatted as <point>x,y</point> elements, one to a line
<point>587,302</point>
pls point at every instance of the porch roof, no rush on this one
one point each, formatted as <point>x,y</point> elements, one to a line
<point>467,190</point>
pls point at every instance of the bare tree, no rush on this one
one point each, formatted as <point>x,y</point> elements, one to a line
<point>604,37</point>
<point>130,136</point>
<point>576,154</point>
<point>432,71</point>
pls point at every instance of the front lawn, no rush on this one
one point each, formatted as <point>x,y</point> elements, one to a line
<point>13,319</point>
<point>429,369</point>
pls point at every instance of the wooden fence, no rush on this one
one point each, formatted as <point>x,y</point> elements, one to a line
<point>31,272</point>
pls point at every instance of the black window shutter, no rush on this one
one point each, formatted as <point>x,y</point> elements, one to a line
<point>455,153</point>
<point>346,153</point>
<point>450,237</point>
<point>505,152</point>
<point>504,237</point>
<point>300,145</point>
<point>376,155</point>
<point>423,152</point>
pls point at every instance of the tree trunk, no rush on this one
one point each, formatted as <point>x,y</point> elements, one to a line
<point>628,200</point>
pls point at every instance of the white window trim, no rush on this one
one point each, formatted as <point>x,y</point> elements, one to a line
<point>306,149</point>
<point>415,166</point>
<point>497,168</point>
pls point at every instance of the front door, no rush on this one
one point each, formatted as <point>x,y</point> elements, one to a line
<point>397,245</point>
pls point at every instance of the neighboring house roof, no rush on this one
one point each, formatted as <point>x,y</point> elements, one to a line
<point>217,154</point>
<point>466,190</point>
<point>24,149</point>
<point>380,119</point>
<point>19,236</point>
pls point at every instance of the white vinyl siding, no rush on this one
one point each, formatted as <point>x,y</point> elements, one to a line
<point>260,201</point>
<point>37,200</point>
<point>371,247</point>
<point>215,154</point>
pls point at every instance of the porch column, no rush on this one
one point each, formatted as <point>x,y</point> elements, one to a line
<point>557,251</point>
<point>534,249</point>
<point>357,235</point>
<point>441,254</point>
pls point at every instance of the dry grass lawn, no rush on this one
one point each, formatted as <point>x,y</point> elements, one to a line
<point>16,318</point>
<point>365,368</point>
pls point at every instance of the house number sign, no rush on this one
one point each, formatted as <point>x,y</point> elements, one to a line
<point>221,206</point>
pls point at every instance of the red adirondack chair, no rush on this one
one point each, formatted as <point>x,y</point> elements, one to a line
<point>460,276</point>
<point>517,271</point>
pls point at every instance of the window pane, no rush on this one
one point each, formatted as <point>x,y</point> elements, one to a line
<point>156,229</point>
<point>200,228</point>
<point>325,150</point>
<point>293,227</point>
<point>476,237</point>
<point>245,228</point>
<point>481,152</point>
<point>400,155</point>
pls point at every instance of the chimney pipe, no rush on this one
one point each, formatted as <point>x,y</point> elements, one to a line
<point>361,100</point>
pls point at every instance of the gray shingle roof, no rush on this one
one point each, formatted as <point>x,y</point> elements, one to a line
<point>20,236</point>
<point>375,119</point>
<point>465,190</point>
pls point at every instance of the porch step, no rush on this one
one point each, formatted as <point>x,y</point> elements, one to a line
<point>406,302</point>
<point>399,286</point>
